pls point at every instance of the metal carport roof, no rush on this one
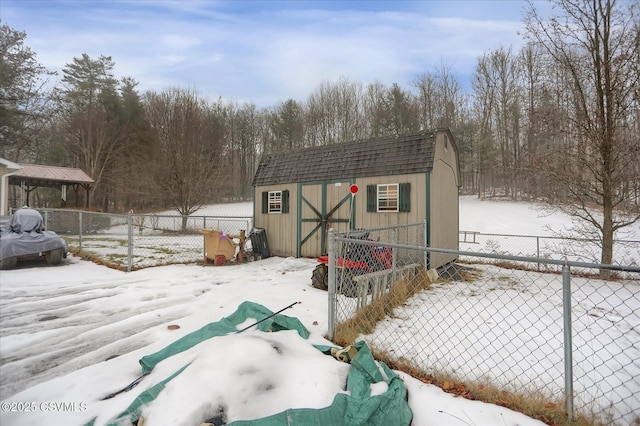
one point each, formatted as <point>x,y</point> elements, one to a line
<point>31,176</point>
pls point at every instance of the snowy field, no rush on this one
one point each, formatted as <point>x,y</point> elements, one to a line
<point>69,335</point>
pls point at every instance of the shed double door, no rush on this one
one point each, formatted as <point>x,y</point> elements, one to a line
<point>322,206</point>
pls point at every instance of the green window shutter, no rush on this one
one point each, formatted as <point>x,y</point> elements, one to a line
<point>265,202</point>
<point>372,198</point>
<point>285,201</point>
<point>405,197</point>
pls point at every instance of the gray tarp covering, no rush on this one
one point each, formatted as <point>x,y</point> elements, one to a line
<point>25,235</point>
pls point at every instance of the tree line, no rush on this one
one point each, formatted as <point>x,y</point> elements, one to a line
<point>555,121</point>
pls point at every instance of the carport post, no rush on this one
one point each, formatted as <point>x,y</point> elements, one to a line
<point>332,284</point>
<point>568,360</point>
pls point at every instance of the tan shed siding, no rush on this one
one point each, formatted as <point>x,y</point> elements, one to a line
<point>444,202</point>
<point>280,227</point>
<point>417,213</point>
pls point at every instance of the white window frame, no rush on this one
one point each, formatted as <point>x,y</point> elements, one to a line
<point>275,202</point>
<point>387,195</point>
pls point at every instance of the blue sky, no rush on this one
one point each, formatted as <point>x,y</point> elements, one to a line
<point>265,52</point>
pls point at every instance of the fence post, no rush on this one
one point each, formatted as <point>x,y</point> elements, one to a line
<point>568,355</point>
<point>80,232</point>
<point>426,253</point>
<point>394,254</point>
<point>332,284</point>
<point>538,250</point>
<point>204,249</point>
<point>129,241</point>
<point>46,219</point>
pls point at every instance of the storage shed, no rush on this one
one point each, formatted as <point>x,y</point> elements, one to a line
<point>402,179</point>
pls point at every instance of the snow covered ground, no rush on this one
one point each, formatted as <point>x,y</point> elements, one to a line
<point>69,335</point>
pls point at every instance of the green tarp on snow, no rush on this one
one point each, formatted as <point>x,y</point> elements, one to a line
<point>227,325</point>
<point>356,408</point>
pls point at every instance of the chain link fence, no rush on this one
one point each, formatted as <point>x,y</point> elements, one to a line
<point>135,241</point>
<point>579,249</point>
<point>489,319</point>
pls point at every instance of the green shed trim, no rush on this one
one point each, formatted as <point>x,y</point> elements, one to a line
<point>427,216</point>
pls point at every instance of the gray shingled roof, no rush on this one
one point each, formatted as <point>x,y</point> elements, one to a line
<point>393,155</point>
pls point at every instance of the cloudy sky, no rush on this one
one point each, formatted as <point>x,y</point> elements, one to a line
<point>265,52</point>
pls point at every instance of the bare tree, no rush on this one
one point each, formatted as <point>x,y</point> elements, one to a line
<point>441,102</point>
<point>243,130</point>
<point>375,111</point>
<point>334,113</point>
<point>427,99</point>
<point>348,97</point>
<point>189,157</point>
<point>529,60</point>
<point>439,97</point>
<point>484,99</point>
<point>596,43</point>
<point>450,99</point>
<point>497,84</point>
<point>322,119</point>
